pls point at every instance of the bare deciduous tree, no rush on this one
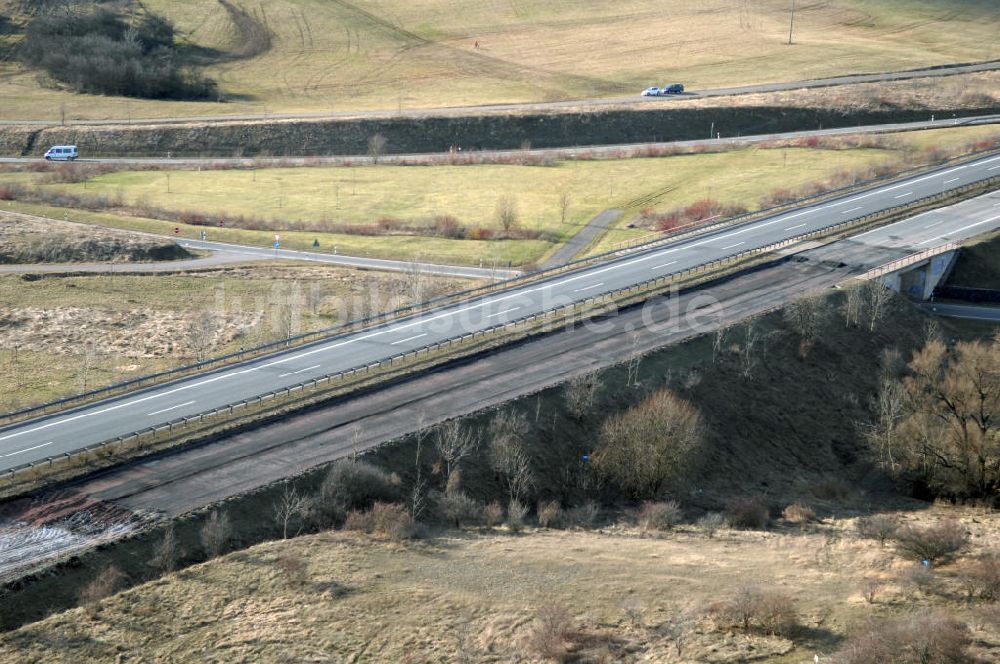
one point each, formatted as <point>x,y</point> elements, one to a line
<point>718,341</point>
<point>749,358</point>
<point>165,554</point>
<point>806,318</point>
<point>418,493</point>
<point>376,147</point>
<point>853,301</point>
<point>290,506</point>
<point>508,456</point>
<point>648,447</point>
<point>888,408</point>
<point>875,298</point>
<point>215,533</point>
<point>201,335</point>
<point>564,202</point>
<point>952,437</point>
<point>87,361</point>
<point>454,442</point>
<point>580,394</point>
<point>506,212</point>
<point>417,281</point>
<point>634,362</point>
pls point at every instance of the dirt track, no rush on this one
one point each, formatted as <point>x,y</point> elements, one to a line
<point>574,105</point>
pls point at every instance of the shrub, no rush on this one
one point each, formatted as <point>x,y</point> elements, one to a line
<point>748,512</point>
<point>551,629</point>
<point>871,587</point>
<point>798,513</point>
<point>386,519</point>
<point>353,485</point>
<point>550,514</point>
<point>458,508</point>
<point>697,213</point>
<point>659,516</point>
<point>917,578</point>
<point>928,638</point>
<point>493,515</point>
<point>215,533</point>
<point>752,609</point>
<point>933,543</point>
<point>650,446</point>
<point>711,523</point>
<point>879,527</point>
<point>981,577</point>
<point>516,511</point>
<point>105,584</point>
<point>585,515</point>
<point>294,569</point>
<point>10,192</point>
<point>831,488</point>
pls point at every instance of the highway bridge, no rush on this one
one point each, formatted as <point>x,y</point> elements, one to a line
<point>66,432</point>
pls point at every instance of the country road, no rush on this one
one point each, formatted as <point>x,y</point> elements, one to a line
<point>222,253</point>
<point>578,104</point>
<point>65,432</point>
<point>554,153</point>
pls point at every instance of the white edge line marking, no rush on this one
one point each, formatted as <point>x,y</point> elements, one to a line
<point>732,246</point>
<point>180,405</point>
<point>792,228</point>
<point>505,311</point>
<point>578,290</point>
<point>854,209</point>
<point>909,193</point>
<point>657,267</point>
<point>959,230</point>
<point>403,341</point>
<point>27,449</point>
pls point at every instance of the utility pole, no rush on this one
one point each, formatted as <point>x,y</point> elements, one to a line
<point>791,24</point>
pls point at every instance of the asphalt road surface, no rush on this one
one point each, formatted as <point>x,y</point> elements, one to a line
<point>948,70</point>
<point>555,153</point>
<point>52,436</point>
<point>224,252</point>
<point>967,311</point>
<point>258,253</point>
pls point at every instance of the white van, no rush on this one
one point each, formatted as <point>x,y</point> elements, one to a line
<point>61,153</point>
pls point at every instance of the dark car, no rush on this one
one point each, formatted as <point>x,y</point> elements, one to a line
<point>673,89</point>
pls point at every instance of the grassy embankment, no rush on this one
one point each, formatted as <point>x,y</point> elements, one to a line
<point>321,198</point>
<point>325,56</point>
<point>475,595</point>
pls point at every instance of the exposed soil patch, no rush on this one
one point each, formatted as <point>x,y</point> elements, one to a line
<point>29,241</point>
<point>137,333</point>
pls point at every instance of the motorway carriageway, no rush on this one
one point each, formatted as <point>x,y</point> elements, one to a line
<point>57,434</point>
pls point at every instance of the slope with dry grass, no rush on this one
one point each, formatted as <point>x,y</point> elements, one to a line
<point>482,595</point>
<point>313,55</point>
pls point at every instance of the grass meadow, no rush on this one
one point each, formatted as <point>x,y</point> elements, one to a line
<point>384,54</point>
